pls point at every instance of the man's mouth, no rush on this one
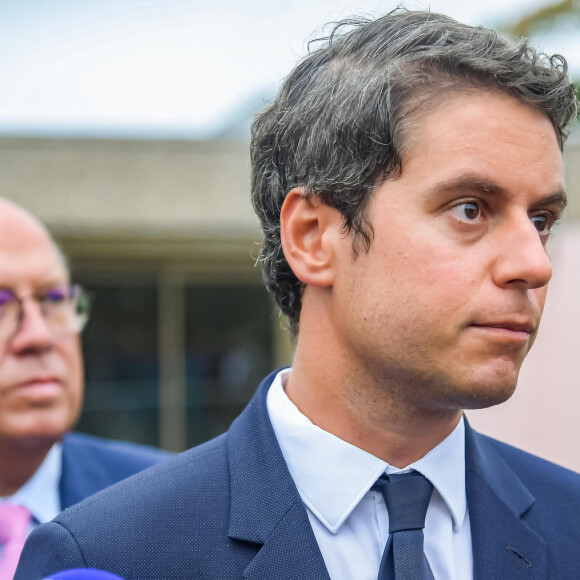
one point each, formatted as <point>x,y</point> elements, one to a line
<point>39,387</point>
<point>39,380</point>
<point>508,330</point>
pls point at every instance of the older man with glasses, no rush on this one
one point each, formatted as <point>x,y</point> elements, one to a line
<point>43,468</point>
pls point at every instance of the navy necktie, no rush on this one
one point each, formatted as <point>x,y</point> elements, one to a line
<point>407,496</point>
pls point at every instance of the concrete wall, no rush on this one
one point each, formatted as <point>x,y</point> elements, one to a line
<point>154,201</point>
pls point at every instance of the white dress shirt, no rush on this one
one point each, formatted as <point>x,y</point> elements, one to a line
<point>351,523</point>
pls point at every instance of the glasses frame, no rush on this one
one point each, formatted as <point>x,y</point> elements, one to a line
<point>77,297</point>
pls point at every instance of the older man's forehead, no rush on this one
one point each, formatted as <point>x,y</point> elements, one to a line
<point>35,269</point>
<point>27,250</point>
<point>18,226</point>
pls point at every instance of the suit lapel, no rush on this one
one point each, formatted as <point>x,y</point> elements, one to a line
<point>290,552</point>
<point>266,508</point>
<point>78,478</point>
<point>504,546</point>
<point>84,471</point>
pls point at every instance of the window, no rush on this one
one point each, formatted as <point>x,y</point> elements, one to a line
<point>122,364</point>
<point>172,361</point>
<point>228,352</point>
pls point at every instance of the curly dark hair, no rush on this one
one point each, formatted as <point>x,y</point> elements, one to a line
<point>337,127</point>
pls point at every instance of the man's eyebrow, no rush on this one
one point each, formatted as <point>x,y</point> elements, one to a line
<point>559,197</point>
<point>485,186</point>
<point>468,182</point>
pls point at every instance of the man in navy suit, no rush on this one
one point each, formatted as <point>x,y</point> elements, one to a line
<point>407,178</point>
<point>41,383</point>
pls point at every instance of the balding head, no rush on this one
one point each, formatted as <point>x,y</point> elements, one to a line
<point>18,225</point>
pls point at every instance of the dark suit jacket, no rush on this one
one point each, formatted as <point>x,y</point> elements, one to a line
<point>90,464</point>
<point>230,509</point>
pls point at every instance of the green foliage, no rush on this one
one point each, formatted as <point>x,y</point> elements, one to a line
<point>545,15</point>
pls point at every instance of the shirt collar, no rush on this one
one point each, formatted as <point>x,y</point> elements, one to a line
<point>332,476</point>
<point>40,494</point>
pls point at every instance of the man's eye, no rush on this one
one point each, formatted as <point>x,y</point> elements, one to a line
<point>542,223</point>
<point>55,295</point>
<point>466,212</point>
<point>6,297</point>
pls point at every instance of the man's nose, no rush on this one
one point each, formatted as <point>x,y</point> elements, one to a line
<point>33,333</point>
<point>522,257</point>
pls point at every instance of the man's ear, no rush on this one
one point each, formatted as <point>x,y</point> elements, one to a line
<point>309,232</point>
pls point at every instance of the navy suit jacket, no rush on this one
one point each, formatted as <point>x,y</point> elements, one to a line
<point>229,509</point>
<point>90,464</point>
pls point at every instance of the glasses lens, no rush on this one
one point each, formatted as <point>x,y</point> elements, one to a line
<point>65,308</point>
<point>8,313</point>
<point>82,302</point>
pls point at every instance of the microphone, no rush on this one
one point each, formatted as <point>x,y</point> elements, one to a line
<point>84,574</point>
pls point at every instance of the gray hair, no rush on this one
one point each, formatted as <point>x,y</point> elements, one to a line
<point>336,127</point>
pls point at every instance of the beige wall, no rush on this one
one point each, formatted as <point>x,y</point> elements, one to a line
<point>183,203</point>
<point>90,186</point>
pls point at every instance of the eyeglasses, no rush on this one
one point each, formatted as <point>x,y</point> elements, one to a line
<point>63,308</point>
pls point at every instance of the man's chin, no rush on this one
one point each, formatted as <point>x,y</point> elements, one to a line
<point>482,399</point>
<point>485,385</point>
<point>481,394</point>
<point>46,429</point>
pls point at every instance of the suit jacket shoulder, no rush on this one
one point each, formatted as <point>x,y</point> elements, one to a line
<point>91,464</point>
<point>545,482</point>
<point>167,522</point>
<point>539,474</point>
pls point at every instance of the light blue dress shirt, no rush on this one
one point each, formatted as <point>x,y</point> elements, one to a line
<point>40,494</point>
